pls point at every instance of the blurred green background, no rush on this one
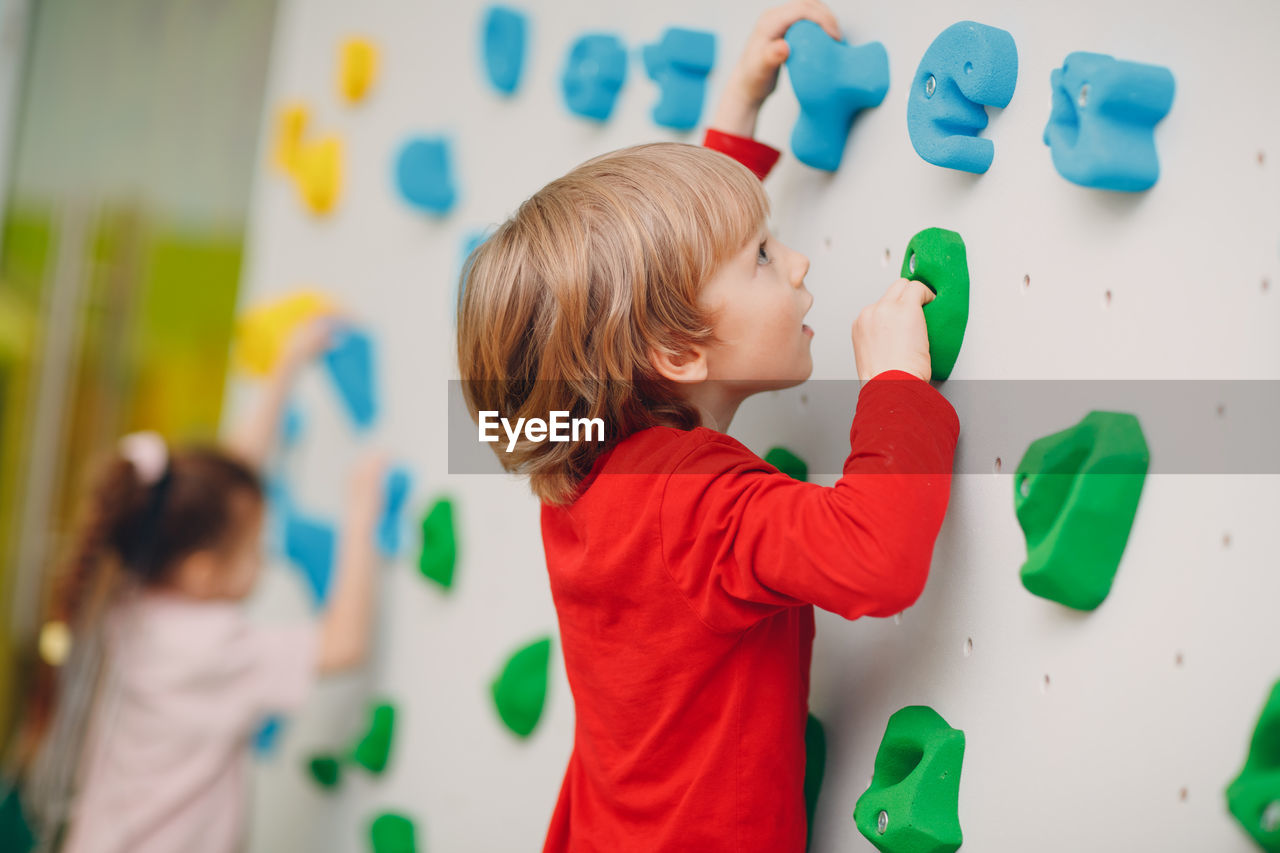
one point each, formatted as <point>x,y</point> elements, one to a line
<point>130,139</point>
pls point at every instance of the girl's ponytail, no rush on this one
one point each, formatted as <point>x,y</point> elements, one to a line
<point>92,568</point>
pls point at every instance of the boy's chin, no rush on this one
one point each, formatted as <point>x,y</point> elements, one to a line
<point>759,386</point>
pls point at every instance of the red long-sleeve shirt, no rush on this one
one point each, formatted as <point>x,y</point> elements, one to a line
<point>684,577</point>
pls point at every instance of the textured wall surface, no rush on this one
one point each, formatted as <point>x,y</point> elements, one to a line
<point>1116,730</point>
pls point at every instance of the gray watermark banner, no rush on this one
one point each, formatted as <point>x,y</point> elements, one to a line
<point>1196,426</point>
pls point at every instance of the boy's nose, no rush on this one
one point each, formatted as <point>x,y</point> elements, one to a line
<point>801,269</point>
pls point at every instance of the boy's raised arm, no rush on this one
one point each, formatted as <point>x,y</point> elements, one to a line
<point>743,541</point>
<point>755,76</point>
<point>753,79</point>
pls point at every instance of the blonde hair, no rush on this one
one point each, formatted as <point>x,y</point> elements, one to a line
<point>559,309</point>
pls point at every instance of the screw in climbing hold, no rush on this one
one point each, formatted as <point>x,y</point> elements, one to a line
<point>1271,817</point>
<point>1084,95</point>
<point>882,822</point>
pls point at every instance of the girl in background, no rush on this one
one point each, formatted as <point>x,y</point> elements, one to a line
<point>168,679</point>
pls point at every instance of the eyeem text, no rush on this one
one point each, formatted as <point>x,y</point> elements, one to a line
<point>558,427</point>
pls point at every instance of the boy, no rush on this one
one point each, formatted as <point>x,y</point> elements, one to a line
<point>643,288</point>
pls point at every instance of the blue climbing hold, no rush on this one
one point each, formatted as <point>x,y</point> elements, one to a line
<point>505,31</point>
<point>279,508</point>
<point>1102,127</point>
<point>291,426</point>
<point>395,493</point>
<point>832,81</point>
<point>309,544</point>
<point>350,363</point>
<point>594,75</point>
<point>968,67</point>
<point>679,64</point>
<point>424,175</point>
<point>267,736</point>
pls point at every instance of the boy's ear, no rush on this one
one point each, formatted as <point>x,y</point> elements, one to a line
<point>682,367</point>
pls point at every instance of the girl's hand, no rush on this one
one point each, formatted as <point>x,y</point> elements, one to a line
<point>756,74</point>
<point>891,334</point>
<point>368,482</point>
<point>309,340</point>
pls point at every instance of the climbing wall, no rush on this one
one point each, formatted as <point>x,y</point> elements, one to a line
<point>1117,728</point>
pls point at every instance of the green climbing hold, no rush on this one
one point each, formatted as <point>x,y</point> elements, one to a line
<point>439,545</point>
<point>373,750</point>
<point>326,770</point>
<point>392,833</point>
<point>815,765</point>
<point>788,463</point>
<point>521,689</point>
<point>1254,796</point>
<point>1075,494</point>
<point>912,805</point>
<point>936,257</point>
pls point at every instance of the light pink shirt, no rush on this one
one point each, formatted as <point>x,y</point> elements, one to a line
<point>167,758</point>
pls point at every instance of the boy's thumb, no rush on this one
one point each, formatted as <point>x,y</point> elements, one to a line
<point>921,292</point>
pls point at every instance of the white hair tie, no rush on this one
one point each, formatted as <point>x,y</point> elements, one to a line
<point>148,453</point>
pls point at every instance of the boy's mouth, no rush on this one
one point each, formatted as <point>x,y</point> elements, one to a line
<point>804,327</point>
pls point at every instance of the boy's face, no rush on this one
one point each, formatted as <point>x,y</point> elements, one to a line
<point>759,300</point>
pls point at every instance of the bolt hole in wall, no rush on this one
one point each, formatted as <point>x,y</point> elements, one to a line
<point>1026,281</point>
<point>1106,299</point>
<point>998,464</point>
<point>968,647</point>
<point>885,261</point>
<point>1044,683</point>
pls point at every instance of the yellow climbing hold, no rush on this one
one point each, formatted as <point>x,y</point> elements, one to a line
<point>319,173</point>
<point>291,127</point>
<point>261,332</point>
<point>357,69</point>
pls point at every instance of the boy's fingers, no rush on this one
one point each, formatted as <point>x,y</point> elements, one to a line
<point>823,17</point>
<point>778,51</point>
<point>775,22</point>
<point>919,293</point>
<point>896,289</point>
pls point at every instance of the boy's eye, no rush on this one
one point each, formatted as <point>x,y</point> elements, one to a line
<point>762,257</point>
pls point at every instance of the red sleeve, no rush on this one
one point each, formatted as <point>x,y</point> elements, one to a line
<point>742,540</point>
<point>756,156</point>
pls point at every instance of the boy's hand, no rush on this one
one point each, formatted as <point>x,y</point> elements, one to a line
<point>755,76</point>
<point>891,334</point>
